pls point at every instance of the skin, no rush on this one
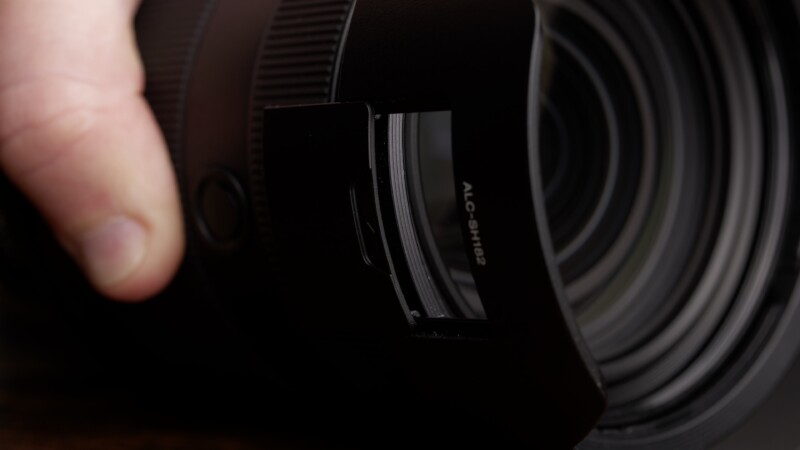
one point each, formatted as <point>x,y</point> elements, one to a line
<point>78,138</point>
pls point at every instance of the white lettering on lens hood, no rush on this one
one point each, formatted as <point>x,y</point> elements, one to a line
<point>474,227</point>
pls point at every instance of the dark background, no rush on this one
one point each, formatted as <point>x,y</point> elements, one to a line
<point>58,392</point>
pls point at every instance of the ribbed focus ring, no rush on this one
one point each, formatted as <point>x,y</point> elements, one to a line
<point>298,57</point>
<point>169,33</point>
<point>296,66</point>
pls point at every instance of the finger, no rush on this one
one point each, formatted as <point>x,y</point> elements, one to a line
<point>80,141</point>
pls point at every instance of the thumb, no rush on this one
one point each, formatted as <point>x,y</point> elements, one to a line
<point>79,140</point>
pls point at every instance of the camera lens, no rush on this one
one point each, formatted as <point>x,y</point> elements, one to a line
<point>533,213</point>
<point>666,164</point>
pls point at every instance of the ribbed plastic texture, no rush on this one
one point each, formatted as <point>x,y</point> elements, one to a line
<point>299,53</point>
<point>297,66</point>
<point>169,32</point>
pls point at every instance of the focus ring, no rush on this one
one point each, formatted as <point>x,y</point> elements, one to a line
<point>299,54</point>
<point>169,34</point>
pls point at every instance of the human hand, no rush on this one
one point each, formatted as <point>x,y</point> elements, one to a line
<point>78,138</point>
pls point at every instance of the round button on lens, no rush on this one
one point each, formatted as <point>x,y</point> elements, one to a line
<point>221,208</point>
